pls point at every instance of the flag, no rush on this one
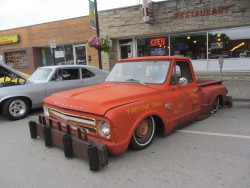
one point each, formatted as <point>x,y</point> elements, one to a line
<point>92,14</point>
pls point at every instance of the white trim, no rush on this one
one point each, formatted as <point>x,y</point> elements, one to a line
<point>213,134</point>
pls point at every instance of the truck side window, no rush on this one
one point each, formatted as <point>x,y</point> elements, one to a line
<point>181,69</point>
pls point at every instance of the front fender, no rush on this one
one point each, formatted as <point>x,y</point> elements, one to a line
<point>126,118</point>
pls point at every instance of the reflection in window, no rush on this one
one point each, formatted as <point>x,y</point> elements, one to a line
<point>192,45</point>
<point>229,43</point>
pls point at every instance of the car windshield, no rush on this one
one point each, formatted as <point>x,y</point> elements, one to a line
<point>40,75</point>
<point>144,72</point>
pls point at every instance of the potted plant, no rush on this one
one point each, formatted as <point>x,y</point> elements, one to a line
<point>99,43</point>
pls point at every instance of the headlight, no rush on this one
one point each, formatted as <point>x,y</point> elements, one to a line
<point>45,110</point>
<point>103,129</point>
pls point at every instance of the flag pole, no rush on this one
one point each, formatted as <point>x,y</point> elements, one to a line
<point>98,34</point>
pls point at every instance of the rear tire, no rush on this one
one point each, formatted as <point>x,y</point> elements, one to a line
<point>215,105</point>
<point>143,134</point>
<point>15,108</point>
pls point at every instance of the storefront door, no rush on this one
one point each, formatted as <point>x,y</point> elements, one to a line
<point>80,54</point>
<point>126,50</point>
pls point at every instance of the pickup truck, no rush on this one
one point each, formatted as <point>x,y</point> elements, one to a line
<point>140,96</point>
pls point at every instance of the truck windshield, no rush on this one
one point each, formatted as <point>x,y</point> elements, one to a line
<point>40,75</point>
<point>144,72</point>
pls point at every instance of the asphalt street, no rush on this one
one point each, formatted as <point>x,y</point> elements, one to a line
<point>210,153</point>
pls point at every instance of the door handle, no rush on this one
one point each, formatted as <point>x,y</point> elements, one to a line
<point>196,90</point>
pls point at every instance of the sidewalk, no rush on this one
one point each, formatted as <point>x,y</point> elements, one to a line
<point>237,83</point>
<point>238,89</point>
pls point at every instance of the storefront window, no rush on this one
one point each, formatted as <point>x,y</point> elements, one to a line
<point>64,55</point>
<point>16,59</point>
<point>153,46</point>
<point>193,45</point>
<point>229,43</point>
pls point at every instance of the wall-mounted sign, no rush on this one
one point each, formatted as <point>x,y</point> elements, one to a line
<point>158,42</point>
<point>202,12</point>
<point>52,43</point>
<point>147,9</point>
<point>7,39</point>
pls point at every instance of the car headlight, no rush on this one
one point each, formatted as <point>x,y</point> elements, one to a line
<point>45,110</point>
<point>103,129</point>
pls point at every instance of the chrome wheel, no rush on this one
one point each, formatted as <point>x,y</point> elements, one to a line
<point>143,134</point>
<point>15,108</point>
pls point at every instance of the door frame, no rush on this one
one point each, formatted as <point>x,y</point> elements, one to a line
<point>132,44</point>
<point>74,52</point>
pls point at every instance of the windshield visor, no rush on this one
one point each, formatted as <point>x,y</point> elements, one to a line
<point>148,72</point>
<point>40,75</point>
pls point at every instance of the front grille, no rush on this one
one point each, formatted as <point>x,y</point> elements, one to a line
<point>88,123</point>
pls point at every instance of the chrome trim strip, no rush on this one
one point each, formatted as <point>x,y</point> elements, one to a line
<point>72,117</point>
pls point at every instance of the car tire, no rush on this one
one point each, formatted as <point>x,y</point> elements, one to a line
<point>143,134</point>
<point>215,105</point>
<point>15,108</point>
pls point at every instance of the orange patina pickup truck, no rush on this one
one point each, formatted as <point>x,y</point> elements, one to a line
<point>139,96</point>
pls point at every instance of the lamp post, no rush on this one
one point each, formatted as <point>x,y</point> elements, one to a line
<point>98,34</point>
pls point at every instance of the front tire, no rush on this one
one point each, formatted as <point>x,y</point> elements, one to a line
<point>15,108</point>
<point>143,134</point>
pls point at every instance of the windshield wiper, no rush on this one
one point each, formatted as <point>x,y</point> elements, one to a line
<point>136,81</point>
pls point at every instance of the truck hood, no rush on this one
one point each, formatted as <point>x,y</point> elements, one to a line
<point>98,99</point>
<point>7,71</point>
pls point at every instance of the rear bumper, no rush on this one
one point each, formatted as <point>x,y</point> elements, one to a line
<point>73,145</point>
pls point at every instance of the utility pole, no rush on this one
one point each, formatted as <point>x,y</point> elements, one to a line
<point>98,34</point>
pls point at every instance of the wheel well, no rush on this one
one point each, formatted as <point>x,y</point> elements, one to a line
<point>28,99</point>
<point>158,124</point>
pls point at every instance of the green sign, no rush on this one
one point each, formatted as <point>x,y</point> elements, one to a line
<point>92,14</point>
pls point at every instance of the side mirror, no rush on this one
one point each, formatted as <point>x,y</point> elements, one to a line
<point>182,81</point>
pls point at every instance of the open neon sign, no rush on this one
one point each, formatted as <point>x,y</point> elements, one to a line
<point>158,42</point>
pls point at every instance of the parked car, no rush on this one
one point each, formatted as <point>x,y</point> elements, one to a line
<point>19,96</point>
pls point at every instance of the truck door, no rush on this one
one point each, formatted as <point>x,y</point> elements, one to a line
<point>185,99</point>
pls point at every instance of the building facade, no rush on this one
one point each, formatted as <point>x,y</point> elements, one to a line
<point>27,48</point>
<point>202,30</point>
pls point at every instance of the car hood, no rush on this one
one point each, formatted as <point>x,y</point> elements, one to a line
<point>7,71</point>
<point>98,99</point>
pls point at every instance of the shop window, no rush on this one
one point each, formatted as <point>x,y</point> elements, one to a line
<point>229,43</point>
<point>63,55</point>
<point>153,47</point>
<point>16,59</point>
<point>193,46</point>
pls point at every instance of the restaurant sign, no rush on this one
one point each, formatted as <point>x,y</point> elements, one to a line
<point>7,39</point>
<point>201,12</point>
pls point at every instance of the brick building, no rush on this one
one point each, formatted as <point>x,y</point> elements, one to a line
<point>27,48</point>
<point>202,30</point>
